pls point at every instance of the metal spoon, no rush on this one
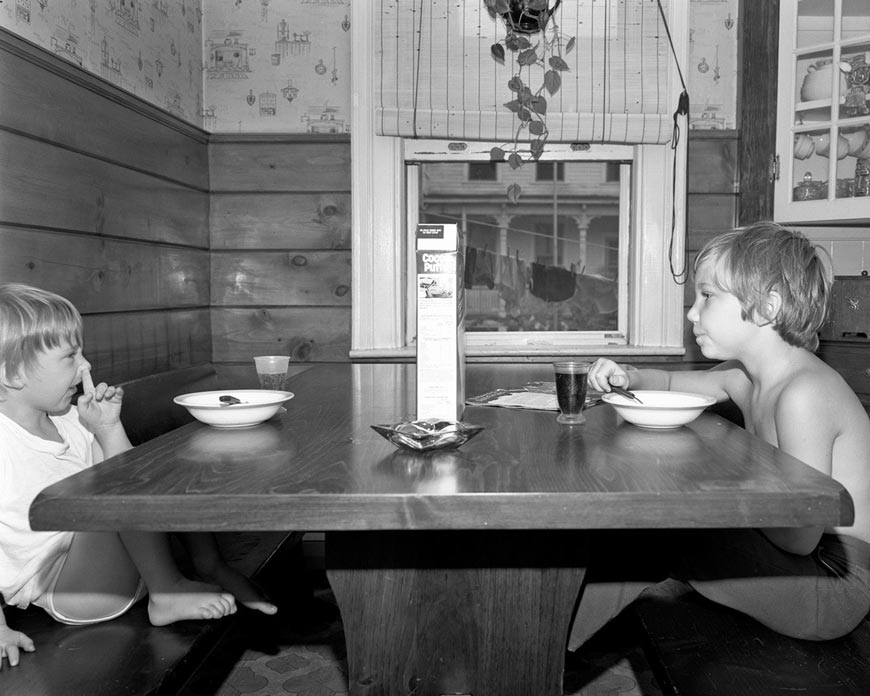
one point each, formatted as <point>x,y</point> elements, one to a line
<point>227,400</point>
<point>624,392</point>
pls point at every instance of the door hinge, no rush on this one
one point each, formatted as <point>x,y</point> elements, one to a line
<point>773,168</point>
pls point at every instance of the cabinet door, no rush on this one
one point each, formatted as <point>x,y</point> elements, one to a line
<point>823,112</point>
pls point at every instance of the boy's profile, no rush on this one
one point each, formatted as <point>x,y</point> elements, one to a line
<point>761,296</point>
<point>80,577</point>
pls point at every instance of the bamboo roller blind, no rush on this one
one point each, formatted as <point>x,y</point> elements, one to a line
<point>437,78</point>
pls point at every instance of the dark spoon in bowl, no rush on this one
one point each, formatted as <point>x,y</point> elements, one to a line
<point>227,400</point>
<point>624,392</point>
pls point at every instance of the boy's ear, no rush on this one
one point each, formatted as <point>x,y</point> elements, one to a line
<point>15,381</point>
<point>772,306</point>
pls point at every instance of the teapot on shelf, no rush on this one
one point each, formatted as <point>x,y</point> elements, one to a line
<point>819,79</point>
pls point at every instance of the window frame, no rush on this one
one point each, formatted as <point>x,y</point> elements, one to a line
<point>489,342</point>
<point>379,327</point>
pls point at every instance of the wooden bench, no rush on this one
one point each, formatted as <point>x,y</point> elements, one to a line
<point>699,648</point>
<point>128,655</point>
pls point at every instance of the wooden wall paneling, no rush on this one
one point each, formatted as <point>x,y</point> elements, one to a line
<point>306,334</point>
<point>48,186</point>
<point>292,164</point>
<point>105,275</point>
<point>758,47</point>
<point>104,199</point>
<point>135,344</point>
<point>280,220</point>
<point>281,278</point>
<point>52,99</point>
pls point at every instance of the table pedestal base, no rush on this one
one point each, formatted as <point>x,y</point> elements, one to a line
<point>433,613</point>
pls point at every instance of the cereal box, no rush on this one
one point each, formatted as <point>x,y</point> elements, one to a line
<point>440,322</point>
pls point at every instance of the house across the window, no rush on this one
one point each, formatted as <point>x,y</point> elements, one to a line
<point>544,171</point>
<point>551,262</point>
<point>482,171</point>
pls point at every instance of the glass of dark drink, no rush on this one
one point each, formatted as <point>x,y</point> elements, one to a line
<point>571,390</point>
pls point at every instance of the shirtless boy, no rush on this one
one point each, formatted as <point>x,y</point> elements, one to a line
<point>80,577</point>
<point>761,295</point>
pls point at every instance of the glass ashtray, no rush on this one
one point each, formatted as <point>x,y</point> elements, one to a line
<point>427,435</point>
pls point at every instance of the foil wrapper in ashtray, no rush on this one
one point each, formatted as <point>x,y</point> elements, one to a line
<point>427,435</point>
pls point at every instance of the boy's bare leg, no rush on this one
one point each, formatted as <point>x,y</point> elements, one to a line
<point>211,566</point>
<point>98,579</point>
<point>171,596</point>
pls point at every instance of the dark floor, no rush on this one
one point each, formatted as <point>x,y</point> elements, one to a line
<point>304,655</point>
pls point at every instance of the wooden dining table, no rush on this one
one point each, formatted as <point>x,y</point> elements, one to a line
<point>455,571</point>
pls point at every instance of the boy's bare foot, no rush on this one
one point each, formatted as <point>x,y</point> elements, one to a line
<point>189,599</point>
<point>242,588</point>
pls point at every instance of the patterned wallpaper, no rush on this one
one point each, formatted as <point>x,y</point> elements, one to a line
<point>712,72</point>
<point>276,65</point>
<point>261,66</point>
<point>151,48</point>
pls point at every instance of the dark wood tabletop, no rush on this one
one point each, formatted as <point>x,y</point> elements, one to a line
<point>456,572</point>
<point>320,466</point>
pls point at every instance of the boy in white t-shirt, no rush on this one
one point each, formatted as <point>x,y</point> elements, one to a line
<point>80,577</point>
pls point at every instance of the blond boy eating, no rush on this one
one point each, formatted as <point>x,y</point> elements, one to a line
<point>761,296</point>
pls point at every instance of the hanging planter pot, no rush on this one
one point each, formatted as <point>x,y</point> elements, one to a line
<point>525,16</point>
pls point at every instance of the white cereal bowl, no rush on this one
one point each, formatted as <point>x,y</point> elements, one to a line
<point>660,409</point>
<point>256,406</point>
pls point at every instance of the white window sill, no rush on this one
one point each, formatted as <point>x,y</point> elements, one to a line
<point>521,354</point>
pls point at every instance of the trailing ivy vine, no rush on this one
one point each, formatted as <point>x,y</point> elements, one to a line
<point>533,40</point>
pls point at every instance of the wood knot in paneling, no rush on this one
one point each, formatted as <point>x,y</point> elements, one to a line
<point>300,349</point>
<point>299,260</point>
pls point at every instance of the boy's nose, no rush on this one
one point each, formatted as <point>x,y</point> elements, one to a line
<point>83,364</point>
<point>692,314</point>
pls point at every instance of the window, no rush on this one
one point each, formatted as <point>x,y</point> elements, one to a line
<point>550,263</point>
<point>482,171</point>
<point>544,171</point>
<point>387,191</point>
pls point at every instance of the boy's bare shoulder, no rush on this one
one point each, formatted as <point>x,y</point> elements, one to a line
<point>820,387</point>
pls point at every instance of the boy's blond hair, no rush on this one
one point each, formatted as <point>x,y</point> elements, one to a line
<point>752,261</point>
<point>31,322</point>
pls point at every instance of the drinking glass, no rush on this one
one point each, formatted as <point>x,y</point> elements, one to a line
<point>272,370</point>
<point>571,390</point>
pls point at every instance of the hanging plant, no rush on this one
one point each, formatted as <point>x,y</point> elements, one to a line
<point>536,44</point>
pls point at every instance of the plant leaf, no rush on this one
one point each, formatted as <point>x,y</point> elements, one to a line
<point>539,104</point>
<point>536,127</point>
<point>522,41</point>
<point>496,155</point>
<point>528,56</point>
<point>497,51</point>
<point>552,81</point>
<point>515,161</point>
<point>524,115</point>
<point>515,84</point>
<point>513,193</point>
<point>538,5</point>
<point>513,105</point>
<point>557,63</point>
<point>537,148</point>
<point>570,45</point>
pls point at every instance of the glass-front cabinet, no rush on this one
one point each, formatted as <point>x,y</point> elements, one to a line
<point>822,165</point>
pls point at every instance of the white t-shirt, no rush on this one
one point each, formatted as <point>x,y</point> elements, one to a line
<point>28,559</point>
